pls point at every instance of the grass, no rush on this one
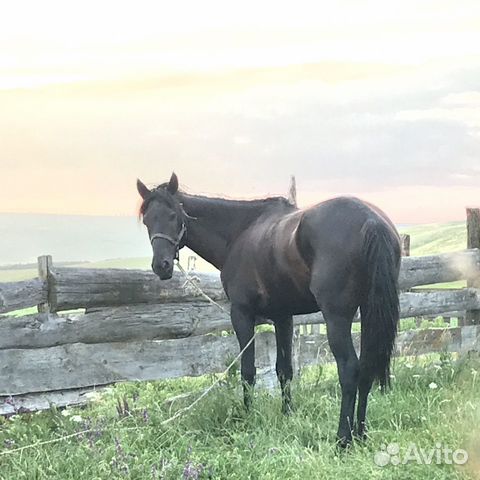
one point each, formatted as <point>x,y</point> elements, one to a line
<point>220,440</point>
<point>436,238</point>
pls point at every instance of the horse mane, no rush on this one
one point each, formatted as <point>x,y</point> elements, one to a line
<point>160,192</point>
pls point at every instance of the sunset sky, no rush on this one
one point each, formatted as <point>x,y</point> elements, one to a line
<point>373,98</point>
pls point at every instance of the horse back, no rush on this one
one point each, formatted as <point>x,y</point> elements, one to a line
<point>272,264</point>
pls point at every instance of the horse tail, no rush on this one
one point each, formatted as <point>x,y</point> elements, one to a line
<point>380,310</point>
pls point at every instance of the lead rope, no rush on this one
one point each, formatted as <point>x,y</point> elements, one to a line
<point>191,281</point>
<point>180,412</point>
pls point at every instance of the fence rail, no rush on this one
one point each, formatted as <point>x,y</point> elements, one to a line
<point>20,295</point>
<point>74,288</point>
<point>82,365</point>
<point>180,320</point>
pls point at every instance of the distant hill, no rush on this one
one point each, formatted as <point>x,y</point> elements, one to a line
<point>70,238</point>
<point>103,242</point>
<point>436,237</point>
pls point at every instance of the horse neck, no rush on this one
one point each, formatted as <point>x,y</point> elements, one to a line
<point>216,222</point>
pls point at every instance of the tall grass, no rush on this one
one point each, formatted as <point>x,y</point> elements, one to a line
<point>432,401</point>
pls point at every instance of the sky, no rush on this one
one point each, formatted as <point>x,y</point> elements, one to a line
<point>369,98</point>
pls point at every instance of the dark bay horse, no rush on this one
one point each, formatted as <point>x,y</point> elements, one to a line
<point>277,261</point>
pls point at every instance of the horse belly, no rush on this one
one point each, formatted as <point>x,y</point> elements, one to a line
<point>284,297</point>
<point>286,277</point>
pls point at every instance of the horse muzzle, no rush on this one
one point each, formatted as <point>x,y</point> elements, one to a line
<point>163,269</point>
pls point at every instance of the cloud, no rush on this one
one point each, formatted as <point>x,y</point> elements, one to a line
<point>359,136</point>
<point>375,131</point>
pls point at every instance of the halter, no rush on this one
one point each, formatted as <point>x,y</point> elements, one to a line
<point>175,243</point>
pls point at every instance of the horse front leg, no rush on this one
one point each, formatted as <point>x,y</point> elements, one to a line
<point>283,335</point>
<point>243,322</point>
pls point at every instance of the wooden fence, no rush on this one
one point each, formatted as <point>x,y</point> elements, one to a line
<point>132,326</point>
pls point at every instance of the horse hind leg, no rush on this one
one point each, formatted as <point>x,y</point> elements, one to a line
<point>339,334</point>
<point>365,383</point>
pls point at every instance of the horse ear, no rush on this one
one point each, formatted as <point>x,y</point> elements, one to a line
<point>173,184</point>
<point>142,189</point>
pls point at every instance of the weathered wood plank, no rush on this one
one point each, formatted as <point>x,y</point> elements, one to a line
<point>117,324</point>
<point>45,400</point>
<point>314,348</point>
<point>80,365</point>
<point>437,302</point>
<point>73,288</point>
<point>83,365</point>
<point>431,269</point>
<point>81,287</point>
<point>180,320</point>
<point>24,294</point>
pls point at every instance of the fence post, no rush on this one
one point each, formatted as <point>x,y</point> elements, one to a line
<point>292,191</point>
<point>44,266</point>
<point>472,317</point>
<point>405,244</point>
<point>405,252</point>
<point>297,330</point>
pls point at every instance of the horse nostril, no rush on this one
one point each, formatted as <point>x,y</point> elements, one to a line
<point>166,265</point>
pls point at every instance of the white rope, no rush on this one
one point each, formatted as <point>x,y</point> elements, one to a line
<point>211,387</point>
<point>191,281</point>
<point>224,373</point>
<point>180,412</point>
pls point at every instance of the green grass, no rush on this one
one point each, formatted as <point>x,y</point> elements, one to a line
<point>436,238</point>
<point>14,275</point>
<point>219,440</point>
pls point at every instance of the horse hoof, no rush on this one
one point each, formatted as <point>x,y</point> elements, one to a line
<point>361,437</point>
<point>343,443</point>
<point>360,433</point>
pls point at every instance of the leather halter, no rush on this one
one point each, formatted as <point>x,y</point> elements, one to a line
<point>175,243</point>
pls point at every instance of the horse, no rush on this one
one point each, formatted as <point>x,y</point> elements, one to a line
<point>276,261</point>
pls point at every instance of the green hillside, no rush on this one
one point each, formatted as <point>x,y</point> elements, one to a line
<point>436,238</point>
<point>16,274</point>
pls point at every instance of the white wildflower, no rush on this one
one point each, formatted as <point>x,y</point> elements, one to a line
<point>433,386</point>
<point>94,396</point>
<point>76,418</point>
